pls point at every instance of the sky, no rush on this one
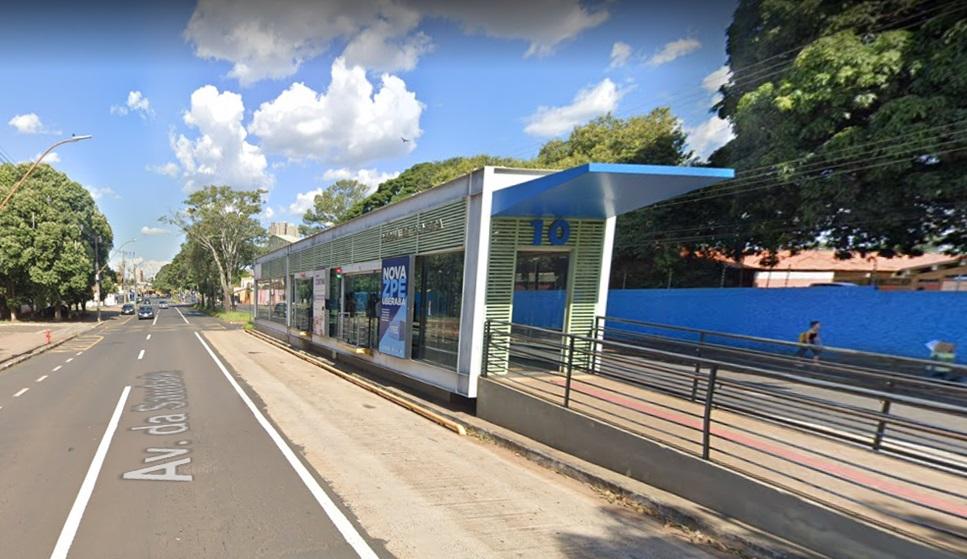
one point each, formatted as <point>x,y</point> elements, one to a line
<point>292,96</point>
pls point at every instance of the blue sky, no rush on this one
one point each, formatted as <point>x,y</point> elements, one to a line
<point>293,96</point>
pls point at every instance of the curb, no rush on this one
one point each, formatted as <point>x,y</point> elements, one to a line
<point>21,357</point>
<point>696,528</point>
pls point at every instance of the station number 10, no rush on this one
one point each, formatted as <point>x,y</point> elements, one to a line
<point>558,232</point>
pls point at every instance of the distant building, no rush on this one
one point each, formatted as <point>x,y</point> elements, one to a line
<point>282,234</point>
<point>929,272</point>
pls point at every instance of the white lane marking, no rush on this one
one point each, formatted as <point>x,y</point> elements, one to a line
<point>41,378</point>
<point>69,360</point>
<point>182,316</point>
<point>73,521</point>
<point>57,368</point>
<point>155,321</point>
<point>148,337</point>
<point>141,355</point>
<point>20,392</point>
<point>345,527</point>
<point>79,352</point>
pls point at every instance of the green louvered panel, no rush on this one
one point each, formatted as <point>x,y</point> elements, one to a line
<point>398,237</point>
<point>274,268</point>
<point>442,228</point>
<point>323,255</point>
<point>299,262</point>
<point>366,245</point>
<point>589,242</point>
<point>504,234</point>
<point>342,251</point>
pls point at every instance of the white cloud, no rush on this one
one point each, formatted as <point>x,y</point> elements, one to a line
<point>716,79</point>
<point>137,103</point>
<point>347,124</point>
<point>268,212</point>
<point>543,23</point>
<point>263,40</point>
<point>169,169</point>
<point>30,123</point>
<point>370,177</point>
<point>50,159</point>
<point>589,103</point>
<point>673,50</point>
<point>709,136</point>
<point>102,192</point>
<point>303,201</point>
<point>620,52</point>
<point>220,154</point>
<point>153,231</point>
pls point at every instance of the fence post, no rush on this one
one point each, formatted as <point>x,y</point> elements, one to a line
<point>570,367</point>
<point>486,350</point>
<point>881,424</point>
<point>698,365</point>
<point>707,420</point>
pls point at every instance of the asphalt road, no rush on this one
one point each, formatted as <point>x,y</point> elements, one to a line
<point>136,441</point>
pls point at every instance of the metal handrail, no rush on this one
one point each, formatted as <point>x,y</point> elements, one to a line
<point>786,343</point>
<point>855,390</point>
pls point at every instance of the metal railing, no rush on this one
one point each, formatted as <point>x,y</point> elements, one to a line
<point>849,437</point>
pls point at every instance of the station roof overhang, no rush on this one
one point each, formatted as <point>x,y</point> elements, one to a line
<point>602,190</point>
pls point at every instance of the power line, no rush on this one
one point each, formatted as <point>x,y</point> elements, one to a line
<point>713,195</point>
<point>761,74</point>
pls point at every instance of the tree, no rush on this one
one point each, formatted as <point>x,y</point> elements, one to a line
<point>222,222</point>
<point>656,138</point>
<point>424,176</point>
<point>332,205</point>
<point>850,117</point>
<point>47,240</point>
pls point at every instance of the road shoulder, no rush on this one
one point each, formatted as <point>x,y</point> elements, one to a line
<point>428,492</point>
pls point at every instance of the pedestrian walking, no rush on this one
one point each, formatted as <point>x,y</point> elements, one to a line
<point>809,342</point>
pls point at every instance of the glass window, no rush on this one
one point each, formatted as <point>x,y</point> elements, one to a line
<point>302,304</point>
<point>270,304</point>
<point>540,289</point>
<point>360,309</point>
<point>438,291</point>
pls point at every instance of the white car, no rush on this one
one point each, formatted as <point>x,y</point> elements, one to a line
<point>162,304</point>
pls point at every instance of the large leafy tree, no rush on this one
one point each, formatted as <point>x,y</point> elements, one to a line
<point>332,205</point>
<point>47,240</point>
<point>222,222</point>
<point>850,123</point>
<point>424,176</point>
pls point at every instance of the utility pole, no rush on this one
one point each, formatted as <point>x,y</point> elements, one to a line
<point>97,277</point>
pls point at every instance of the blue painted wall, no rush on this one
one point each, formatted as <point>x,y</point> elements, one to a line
<point>895,322</point>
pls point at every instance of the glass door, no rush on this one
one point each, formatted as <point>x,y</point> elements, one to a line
<point>540,300</point>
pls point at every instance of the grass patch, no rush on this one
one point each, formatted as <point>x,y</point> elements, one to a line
<point>232,317</point>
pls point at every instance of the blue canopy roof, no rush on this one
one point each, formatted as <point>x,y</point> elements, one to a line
<point>600,190</point>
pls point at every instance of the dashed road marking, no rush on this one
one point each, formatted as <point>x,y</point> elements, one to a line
<point>57,368</point>
<point>41,378</point>
<point>141,355</point>
<point>79,352</point>
<point>148,337</point>
<point>21,392</point>
<point>69,360</point>
<point>155,321</point>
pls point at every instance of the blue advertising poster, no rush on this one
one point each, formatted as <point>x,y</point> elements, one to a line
<point>394,306</point>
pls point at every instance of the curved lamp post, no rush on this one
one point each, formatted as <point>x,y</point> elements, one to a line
<point>37,162</point>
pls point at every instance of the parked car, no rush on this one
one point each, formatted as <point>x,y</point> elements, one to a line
<point>127,308</point>
<point>162,304</point>
<point>145,312</point>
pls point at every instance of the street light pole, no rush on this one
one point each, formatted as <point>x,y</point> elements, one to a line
<point>97,277</point>
<point>37,162</point>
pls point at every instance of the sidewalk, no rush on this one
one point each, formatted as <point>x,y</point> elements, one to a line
<point>427,492</point>
<point>17,338</point>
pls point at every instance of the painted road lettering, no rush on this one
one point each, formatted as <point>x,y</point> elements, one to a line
<point>164,391</point>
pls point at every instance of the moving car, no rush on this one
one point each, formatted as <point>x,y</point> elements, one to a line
<point>127,308</point>
<point>162,304</point>
<point>145,312</point>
